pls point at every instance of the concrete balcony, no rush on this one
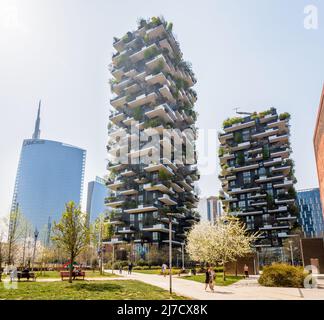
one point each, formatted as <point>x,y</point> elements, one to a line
<point>118,73</point>
<point>266,133</point>
<point>126,230</point>
<point>117,133</point>
<point>139,55</point>
<point>279,209</point>
<point>239,126</point>
<point>132,89</point>
<point>156,79</point>
<point>142,99</point>
<point>156,32</point>
<point>115,185</point>
<point>167,200</point>
<point>143,152</point>
<point>281,138</point>
<point>247,213</point>
<point>267,178</point>
<point>240,190</point>
<point>284,201</point>
<point>161,112</point>
<point>273,162</point>
<point>156,187</point>
<point>241,146</point>
<point>128,173</point>
<point>258,196</point>
<point>226,157</point>
<point>166,93</point>
<point>118,87</point>
<point>128,192</point>
<point>271,227</point>
<point>118,102</point>
<point>258,204</point>
<point>115,204</point>
<point>131,73</point>
<point>223,137</point>
<point>245,168</point>
<point>117,117</point>
<point>283,154</point>
<point>284,169</point>
<point>278,124</point>
<point>119,45</point>
<point>128,121</point>
<point>268,117</point>
<point>186,186</point>
<point>177,188</point>
<point>156,228</point>
<point>230,199</point>
<point>158,167</point>
<point>285,184</point>
<point>141,209</point>
<point>155,63</point>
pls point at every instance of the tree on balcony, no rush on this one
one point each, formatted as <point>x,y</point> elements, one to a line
<point>225,241</point>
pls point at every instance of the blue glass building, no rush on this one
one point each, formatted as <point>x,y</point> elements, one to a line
<point>310,212</point>
<point>97,193</point>
<point>49,175</point>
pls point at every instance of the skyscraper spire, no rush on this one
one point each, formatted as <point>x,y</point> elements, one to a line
<point>36,134</point>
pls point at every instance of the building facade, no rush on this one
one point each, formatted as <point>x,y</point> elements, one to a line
<point>49,175</point>
<point>210,208</point>
<point>258,175</point>
<point>96,199</point>
<point>152,138</point>
<point>319,147</point>
<point>310,212</point>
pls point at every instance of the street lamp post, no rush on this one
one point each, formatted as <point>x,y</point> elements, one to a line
<point>291,252</point>
<point>182,252</point>
<point>36,233</point>
<point>170,252</point>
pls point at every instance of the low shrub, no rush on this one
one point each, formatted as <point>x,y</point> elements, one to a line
<point>282,275</point>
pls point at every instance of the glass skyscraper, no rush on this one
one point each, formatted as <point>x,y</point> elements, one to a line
<point>50,174</point>
<point>310,212</point>
<point>97,194</point>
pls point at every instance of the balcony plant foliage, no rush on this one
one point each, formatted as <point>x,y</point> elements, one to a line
<point>230,121</point>
<point>223,242</point>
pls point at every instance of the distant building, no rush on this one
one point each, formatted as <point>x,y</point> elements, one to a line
<point>49,175</point>
<point>310,211</point>
<point>319,147</point>
<point>210,208</point>
<point>97,194</point>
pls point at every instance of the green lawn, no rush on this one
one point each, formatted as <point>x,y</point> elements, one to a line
<point>89,274</point>
<point>86,290</point>
<point>219,279</point>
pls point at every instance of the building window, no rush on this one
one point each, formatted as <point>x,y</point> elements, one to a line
<point>242,204</point>
<point>155,236</point>
<point>246,177</point>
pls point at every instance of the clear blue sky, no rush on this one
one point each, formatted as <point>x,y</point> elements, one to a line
<point>251,54</point>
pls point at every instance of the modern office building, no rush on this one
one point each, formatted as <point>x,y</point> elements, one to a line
<point>210,208</point>
<point>258,175</point>
<point>152,138</point>
<point>97,194</point>
<point>310,212</point>
<point>319,147</point>
<point>50,174</point>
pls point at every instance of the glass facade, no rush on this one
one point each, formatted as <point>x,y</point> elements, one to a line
<point>49,175</point>
<point>97,194</point>
<point>310,212</point>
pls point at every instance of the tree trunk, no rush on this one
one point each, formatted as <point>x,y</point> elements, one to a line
<point>71,268</point>
<point>224,272</point>
<point>236,268</point>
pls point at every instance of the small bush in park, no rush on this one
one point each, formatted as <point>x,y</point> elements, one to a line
<point>282,275</point>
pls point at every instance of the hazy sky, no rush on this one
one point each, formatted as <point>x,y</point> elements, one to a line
<point>251,54</point>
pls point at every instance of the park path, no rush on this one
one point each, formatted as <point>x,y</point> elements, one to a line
<point>246,289</point>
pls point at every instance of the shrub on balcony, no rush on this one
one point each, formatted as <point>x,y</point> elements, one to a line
<point>265,152</point>
<point>221,151</point>
<point>138,113</point>
<point>240,159</point>
<point>282,275</point>
<point>230,121</point>
<point>131,204</point>
<point>292,192</point>
<point>284,116</point>
<point>156,21</point>
<point>163,176</point>
<point>159,68</point>
<point>270,201</point>
<point>238,138</point>
<point>150,53</point>
<point>169,26</point>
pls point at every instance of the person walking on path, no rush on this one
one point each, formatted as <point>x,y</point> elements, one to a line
<point>212,276</point>
<point>207,279</point>
<point>130,268</point>
<point>246,271</point>
<point>164,268</point>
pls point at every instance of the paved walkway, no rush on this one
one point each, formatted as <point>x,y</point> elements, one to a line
<point>246,289</point>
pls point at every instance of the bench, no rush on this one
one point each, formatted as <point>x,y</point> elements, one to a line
<point>26,275</point>
<point>66,274</point>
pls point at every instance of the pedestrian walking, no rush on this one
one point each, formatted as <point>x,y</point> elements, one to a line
<point>207,278</point>
<point>246,271</point>
<point>212,276</point>
<point>164,268</point>
<point>120,269</point>
<point>130,268</point>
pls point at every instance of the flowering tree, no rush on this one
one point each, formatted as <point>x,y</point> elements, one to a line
<point>223,242</point>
